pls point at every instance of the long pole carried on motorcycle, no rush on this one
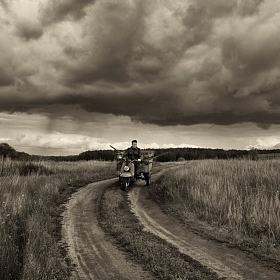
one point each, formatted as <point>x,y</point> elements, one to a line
<point>114,148</point>
<point>152,157</point>
<point>161,154</point>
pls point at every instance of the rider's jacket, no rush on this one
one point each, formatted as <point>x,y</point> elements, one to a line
<point>133,153</point>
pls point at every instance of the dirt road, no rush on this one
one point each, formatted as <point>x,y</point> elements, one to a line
<point>89,249</point>
<point>96,257</point>
<point>227,262</point>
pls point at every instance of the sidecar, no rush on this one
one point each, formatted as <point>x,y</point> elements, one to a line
<point>147,165</point>
<point>130,171</point>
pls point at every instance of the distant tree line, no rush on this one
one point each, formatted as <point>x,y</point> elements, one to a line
<point>173,154</point>
<point>163,155</point>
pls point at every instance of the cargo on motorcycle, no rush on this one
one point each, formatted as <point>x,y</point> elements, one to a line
<point>132,167</point>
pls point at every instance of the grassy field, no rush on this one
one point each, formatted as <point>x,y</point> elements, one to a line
<point>238,198</point>
<point>32,195</point>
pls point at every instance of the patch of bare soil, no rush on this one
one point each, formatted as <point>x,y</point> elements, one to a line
<point>89,248</point>
<point>230,263</point>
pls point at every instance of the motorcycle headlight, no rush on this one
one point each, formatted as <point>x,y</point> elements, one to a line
<point>126,168</point>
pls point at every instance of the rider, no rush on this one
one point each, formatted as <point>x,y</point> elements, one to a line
<point>133,153</point>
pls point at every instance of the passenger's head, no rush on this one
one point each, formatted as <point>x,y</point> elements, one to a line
<point>134,143</point>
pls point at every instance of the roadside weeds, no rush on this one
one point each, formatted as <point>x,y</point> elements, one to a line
<point>173,195</point>
<point>33,197</point>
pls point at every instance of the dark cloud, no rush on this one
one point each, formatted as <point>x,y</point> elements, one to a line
<point>252,63</point>
<point>29,30</point>
<point>244,58</point>
<point>200,16</point>
<point>59,10</point>
<point>210,61</point>
<point>6,65</point>
<point>262,119</point>
<point>4,4</point>
<point>163,107</point>
<point>6,78</point>
<point>145,109</point>
<point>113,36</point>
<point>249,7</point>
<point>73,52</point>
<point>112,70</point>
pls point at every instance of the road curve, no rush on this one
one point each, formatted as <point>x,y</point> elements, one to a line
<point>90,250</point>
<point>230,263</point>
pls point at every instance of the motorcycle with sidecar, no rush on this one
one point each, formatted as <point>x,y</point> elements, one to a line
<point>129,171</point>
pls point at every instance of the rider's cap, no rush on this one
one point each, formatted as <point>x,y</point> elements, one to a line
<point>134,141</point>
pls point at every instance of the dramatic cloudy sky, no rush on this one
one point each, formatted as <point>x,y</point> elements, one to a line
<point>79,75</point>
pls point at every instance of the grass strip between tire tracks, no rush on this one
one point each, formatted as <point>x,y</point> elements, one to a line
<point>155,254</point>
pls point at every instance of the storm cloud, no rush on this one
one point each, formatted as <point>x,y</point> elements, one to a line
<point>29,30</point>
<point>158,62</point>
<point>55,11</point>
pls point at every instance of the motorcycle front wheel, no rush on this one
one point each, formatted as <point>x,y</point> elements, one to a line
<point>124,183</point>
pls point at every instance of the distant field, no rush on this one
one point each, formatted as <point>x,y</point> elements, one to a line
<point>31,198</point>
<point>240,198</point>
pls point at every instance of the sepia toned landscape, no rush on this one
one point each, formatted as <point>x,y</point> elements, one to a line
<point>139,139</point>
<point>198,219</point>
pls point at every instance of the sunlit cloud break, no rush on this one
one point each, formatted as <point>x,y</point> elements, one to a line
<point>5,139</point>
<point>79,143</point>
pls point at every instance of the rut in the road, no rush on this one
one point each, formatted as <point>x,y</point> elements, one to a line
<point>226,262</point>
<point>89,248</point>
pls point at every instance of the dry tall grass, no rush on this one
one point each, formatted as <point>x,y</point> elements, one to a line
<point>241,195</point>
<point>31,194</point>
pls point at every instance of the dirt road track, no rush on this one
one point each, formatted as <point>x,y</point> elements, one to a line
<point>89,249</point>
<point>227,262</point>
<point>96,258</point>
